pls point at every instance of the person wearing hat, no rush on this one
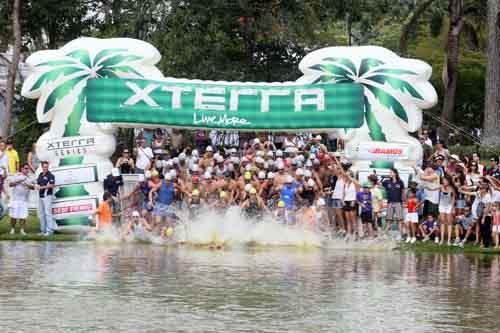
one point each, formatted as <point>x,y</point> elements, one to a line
<point>113,184</point>
<point>223,201</point>
<point>280,214</point>
<point>439,167</point>
<point>137,226</point>
<point>144,188</point>
<point>451,166</point>
<point>288,194</point>
<point>207,159</point>
<point>163,196</point>
<point>125,163</point>
<point>365,202</point>
<point>253,206</point>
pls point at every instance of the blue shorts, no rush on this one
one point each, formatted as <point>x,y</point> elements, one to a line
<point>163,210</point>
<point>337,203</point>
<point>460,203</point>
<point>145,206</point>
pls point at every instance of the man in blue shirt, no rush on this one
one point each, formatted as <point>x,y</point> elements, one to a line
<point>113,184</point>
<point>45,186</point>
<point>394,188</point>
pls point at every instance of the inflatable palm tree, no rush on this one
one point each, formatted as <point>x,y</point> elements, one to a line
<point>58,79</point>
<point>395,92</point>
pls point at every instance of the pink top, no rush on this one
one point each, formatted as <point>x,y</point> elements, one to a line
<point>496,216</point>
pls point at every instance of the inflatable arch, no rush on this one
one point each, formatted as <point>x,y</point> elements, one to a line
<point>89,88</point>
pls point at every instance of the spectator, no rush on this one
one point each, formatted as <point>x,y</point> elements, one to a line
<point>427,140</point>
<point>176,140</point>
<point>159,144</point>
<point>18,208</point>
<point>13,157</point>
<point>144,157</point>
<point>113,184</point>
<point>494,169</point>
<point>4,159</point>
<point>125,163</point>
<point>480,166</point>
<point>3,192</point>
<point>45,186</point>
<point>33,160</point>
<point>394,187</point>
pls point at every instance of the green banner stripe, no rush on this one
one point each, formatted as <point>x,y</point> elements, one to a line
<point>77,220</point>
<point>112,100</point>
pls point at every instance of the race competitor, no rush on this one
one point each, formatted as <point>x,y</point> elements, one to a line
<point>137,226</point>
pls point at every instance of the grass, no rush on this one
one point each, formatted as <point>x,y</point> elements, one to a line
<point>32,229</point>
<point>431,247</point>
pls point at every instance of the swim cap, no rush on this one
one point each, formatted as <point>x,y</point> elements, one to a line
<point>169,231</point>
<point>247,175</point>
<point>253,191</point>
<point>135,214</point>
<point>154,173</point>
<point>281,204</point>
<point>248,187</point>
<point>310,183</point>
<point>289,179</point>
<point>262,175</point>
<point>223,194</point>
<point>195,193</point>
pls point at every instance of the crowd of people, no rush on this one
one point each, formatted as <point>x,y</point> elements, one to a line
<point>300,180</point>
<point>295,179</point>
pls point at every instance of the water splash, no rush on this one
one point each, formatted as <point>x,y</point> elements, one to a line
<point>230,228</point>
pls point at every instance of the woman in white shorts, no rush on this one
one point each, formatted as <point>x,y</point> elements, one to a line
<point>447,197</point>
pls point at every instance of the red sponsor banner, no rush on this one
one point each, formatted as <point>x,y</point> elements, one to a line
<point>72,209</point>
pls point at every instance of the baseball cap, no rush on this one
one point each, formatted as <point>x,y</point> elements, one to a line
<point>209,148</point>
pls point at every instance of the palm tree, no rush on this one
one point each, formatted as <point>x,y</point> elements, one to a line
<point>59,80</point>
<point>398,85</point>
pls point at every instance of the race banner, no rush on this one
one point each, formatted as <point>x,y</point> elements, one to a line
<point>238,106</point>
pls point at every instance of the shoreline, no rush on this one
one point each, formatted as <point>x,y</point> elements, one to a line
<point>32,230</point>
<point>402,247</point>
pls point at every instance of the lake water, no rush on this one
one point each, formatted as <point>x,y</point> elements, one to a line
<point>89,287</point>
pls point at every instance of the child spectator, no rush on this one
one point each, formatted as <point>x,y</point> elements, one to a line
<point>412,216</point>
<point>105,217</point>
<point>463,223</point>
<point>495,212</point>
<point>364,200</point>
<point>430,227</point>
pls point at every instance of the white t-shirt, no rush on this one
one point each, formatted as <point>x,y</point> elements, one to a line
<point>486,199</point>
<point>144,156</point>
<point>4,161</point>
<point>431,196</point>
<point>350,192</point>
<point>20,192</point>
<point>338,191</point>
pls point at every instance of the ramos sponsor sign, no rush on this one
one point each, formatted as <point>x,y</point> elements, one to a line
<point>380,151</point>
